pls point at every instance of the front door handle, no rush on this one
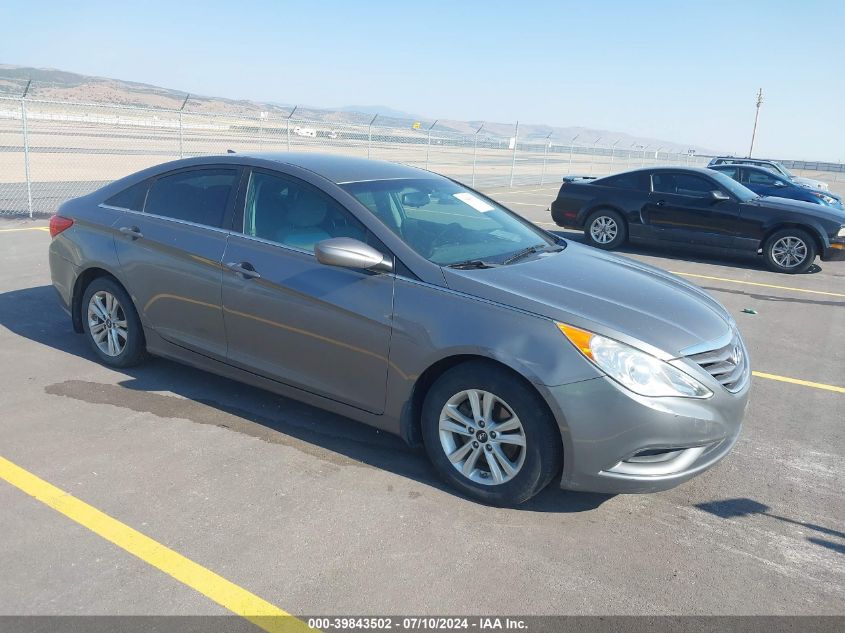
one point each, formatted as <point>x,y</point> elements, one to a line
<point>133,232</point>
<point>244,269</point>
<point>660,203</point>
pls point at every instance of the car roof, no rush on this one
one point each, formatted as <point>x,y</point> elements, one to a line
<point>342,169</point>
<point>732,159</point>
<point>744,166</point>
<point>651,170</point>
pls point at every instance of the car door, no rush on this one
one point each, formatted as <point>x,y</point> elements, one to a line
<point>319,328</point>
<point>681,209</point>
<point>171,251</point>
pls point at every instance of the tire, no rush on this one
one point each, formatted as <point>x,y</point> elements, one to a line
<point>607,225</point>
<point>107,309</point>
<point>782,247</point>
<point>532,465</point>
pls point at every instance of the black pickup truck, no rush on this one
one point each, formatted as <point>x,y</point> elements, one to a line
<point>699,209</point>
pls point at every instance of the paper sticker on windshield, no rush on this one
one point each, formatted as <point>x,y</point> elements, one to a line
<point>474,201</point>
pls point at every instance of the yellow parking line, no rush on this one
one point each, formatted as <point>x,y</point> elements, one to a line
<point>227,594</point>
<point>28,228</point>
<point>796,381</point>
<point>755,283</point>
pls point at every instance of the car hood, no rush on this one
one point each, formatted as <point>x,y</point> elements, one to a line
<point>809,182</point>
<point>611,295</point>
<point>814,209</point>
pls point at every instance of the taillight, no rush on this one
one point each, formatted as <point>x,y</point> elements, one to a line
<point>59,224</point>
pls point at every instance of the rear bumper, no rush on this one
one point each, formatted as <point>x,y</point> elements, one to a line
<point>565,218</point>
<point>618,442</point>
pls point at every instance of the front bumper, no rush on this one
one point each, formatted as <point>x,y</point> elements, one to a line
<point>618,442</point>
<point>834,252</point>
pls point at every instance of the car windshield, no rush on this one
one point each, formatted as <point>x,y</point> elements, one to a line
<point>739,191</point>
<point>449,224</point>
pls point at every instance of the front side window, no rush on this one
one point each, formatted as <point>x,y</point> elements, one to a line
<point>762,178</point>
<point>445,222</point>
<point>198,195</point>
<point>295,214</point>
<point>682,184</point>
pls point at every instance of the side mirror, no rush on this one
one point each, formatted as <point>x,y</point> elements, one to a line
<point>350,253</point>
<point>719,196</point>
<point>415,199</point>
<point>780,183</point>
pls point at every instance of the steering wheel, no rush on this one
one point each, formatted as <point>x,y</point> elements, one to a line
<point>442,236</point>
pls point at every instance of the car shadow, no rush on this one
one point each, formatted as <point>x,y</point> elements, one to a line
<point>743,507</point>
<point>205,398</point>
<point>749,262</point>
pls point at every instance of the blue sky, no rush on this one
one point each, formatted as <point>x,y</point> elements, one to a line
<point>677,70</point>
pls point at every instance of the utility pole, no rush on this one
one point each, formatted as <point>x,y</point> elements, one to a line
<point>756,116</point>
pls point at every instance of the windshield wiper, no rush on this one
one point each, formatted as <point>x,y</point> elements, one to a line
<point>472,263</point>
<point>523,253</point>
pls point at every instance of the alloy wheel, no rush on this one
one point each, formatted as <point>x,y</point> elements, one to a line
<point>107,323</point>
<point>482,437</point>
<point>789,251</point>
<point>604,229</point>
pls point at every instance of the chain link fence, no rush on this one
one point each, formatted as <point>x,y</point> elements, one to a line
<point>52,151</point>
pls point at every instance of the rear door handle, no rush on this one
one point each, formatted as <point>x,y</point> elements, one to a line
<point>244,269</point>
<point>133,232</point>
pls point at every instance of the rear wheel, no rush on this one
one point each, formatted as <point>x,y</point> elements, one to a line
<point>111,324</point>
<point>790,251</point>
<point>490,435</point>
<point>605,229</point>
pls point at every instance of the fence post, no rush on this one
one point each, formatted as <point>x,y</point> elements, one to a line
<point>513,158</point>
<point>428,144</point>
<point>287,124</point>
<point>545,155</point>
<point>571,147</point>
<point>612,152</point>
<point>181,152</point>
<point>475,152</point>
<point>370,134</point>
<point>26,152</point>
<point>593,154</point>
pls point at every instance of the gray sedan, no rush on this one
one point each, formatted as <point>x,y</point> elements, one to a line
<point>404,300</point>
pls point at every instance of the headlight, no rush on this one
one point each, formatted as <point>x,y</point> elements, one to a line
<point>841,232</point>
<point>634,369</point>
<point>824,198</point>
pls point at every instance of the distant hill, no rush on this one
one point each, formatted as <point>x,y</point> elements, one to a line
<point>48,83</point>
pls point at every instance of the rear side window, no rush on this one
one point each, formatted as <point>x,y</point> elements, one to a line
<point>730,172</point>
<point>636,181</point>
<point>200,196</point>
<point>131,198</point>
<point>682,184</point>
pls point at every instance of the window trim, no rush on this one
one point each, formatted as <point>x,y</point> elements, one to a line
<point>234,190</point>
<point>239,213</point>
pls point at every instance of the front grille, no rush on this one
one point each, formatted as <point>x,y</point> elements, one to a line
<point>728,364</point>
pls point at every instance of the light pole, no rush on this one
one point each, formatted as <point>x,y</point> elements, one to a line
<point>182,153</point>
<point>513,158</point>
<point>756,116</point>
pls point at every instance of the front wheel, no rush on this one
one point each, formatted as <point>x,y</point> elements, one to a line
<point>605,229</point>
<point>790,251</point>
<point>490,435</point>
